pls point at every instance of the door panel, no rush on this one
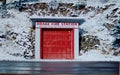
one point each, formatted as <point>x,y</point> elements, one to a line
<point>57,44</point>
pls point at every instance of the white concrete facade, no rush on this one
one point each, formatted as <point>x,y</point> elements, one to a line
<point>37,44</point>
<point>38,39</point>
<point>76,43</point>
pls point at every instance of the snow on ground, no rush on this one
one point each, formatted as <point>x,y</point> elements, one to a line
<point>97,55</point>
<point>18,25</point>
<point>16,30</point>
<point>94,26</point>
<point>6,56</point>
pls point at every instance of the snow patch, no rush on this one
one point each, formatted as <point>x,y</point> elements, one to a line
<point>96,55</point>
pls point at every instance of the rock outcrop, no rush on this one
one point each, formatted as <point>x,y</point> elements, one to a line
<point>109,12</point>
<point>89,42</point>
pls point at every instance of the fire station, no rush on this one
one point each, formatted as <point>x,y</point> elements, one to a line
<point>56,38</point>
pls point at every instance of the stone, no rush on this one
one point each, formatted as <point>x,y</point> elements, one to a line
<point>115,21</point>
<point>29,54</point>
<point>89,42</point>
<point>114,10</point>
<point>0,44</point>
<point>116,52</point>
<point>54,4</point>
<point>107,6</point>
<point>3,36</point>
<point>63,11</point>
<point>109,26</point>
<point>70,5</point>
<point>79,6</point>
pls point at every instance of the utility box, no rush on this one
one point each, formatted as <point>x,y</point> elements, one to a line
<point>56,38</point>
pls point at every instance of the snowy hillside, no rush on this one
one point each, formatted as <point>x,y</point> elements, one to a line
<point>98,35</point>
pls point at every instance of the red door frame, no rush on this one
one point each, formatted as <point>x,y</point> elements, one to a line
<point>41,41</point>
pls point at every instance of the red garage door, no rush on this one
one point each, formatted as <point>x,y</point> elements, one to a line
<point>57,44</point>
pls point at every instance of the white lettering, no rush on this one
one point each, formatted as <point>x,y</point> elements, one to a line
<point>56,25</point>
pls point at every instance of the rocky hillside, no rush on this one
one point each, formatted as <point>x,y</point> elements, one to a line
<point>100,32</point>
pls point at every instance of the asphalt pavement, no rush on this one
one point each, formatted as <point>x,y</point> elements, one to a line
<point>58,68</point>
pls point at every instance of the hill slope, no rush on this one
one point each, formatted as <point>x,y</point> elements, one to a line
<point>101,27</point>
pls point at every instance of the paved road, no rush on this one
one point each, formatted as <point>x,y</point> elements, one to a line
<point>40,68</point>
